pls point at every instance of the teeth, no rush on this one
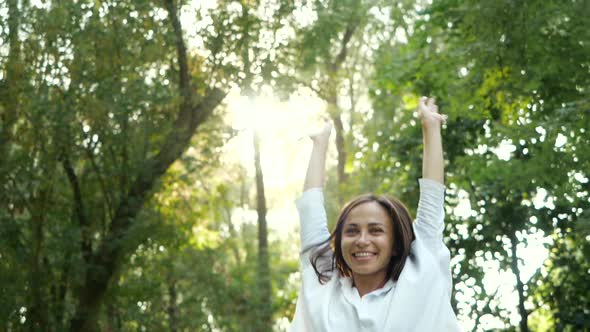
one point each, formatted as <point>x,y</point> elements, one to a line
<point>363,254</point>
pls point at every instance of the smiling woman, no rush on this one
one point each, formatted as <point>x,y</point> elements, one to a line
<point>378,270</point>
<point>372,240</point>
<point>376,239</point>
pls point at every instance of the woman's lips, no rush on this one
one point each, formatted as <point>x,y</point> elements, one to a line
<point>364,256</point>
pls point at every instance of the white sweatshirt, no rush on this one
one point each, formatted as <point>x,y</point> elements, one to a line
<point>419,301</point>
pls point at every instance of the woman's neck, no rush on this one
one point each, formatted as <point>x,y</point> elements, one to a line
<point>367,284</point>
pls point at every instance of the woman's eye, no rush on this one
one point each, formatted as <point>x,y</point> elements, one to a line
<point>351,231</point>
<point>377,230</point>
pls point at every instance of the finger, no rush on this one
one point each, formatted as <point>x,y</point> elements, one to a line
<point>422,101</point>
<point>422,105</point>
<point>442,117</point>
<point>431,102</point>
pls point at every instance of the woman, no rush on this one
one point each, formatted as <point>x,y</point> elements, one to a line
<point>378,270</point>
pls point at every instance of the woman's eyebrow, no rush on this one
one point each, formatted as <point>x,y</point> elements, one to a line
<point>371,224</point>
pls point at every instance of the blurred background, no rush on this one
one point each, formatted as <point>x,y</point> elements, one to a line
<point>151,152</point>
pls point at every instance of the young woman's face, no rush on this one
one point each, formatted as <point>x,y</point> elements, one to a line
<point>367,240</point>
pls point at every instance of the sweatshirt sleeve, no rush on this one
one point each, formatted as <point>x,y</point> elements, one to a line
<point>429,223</point>
<point>429,226</point>
<point>430,215</point>
<point>312,218</point>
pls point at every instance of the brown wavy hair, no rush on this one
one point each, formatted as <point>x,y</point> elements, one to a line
<point>403,235</point>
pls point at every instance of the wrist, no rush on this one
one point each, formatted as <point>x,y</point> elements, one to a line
<point>431,130</point>
<point>320,145</point>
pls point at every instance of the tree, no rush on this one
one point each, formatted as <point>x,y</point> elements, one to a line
<point>331,56</point>
<point>494,68</point>
<point>264,302</point>
<point>89,129</point>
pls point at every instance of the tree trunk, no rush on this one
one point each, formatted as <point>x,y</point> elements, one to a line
<point>232,231</point>
<point>332,99</point>
<point>10,93</point>
<point>172,306</point>
<point>264,284</point>
<point>524,326</point>
<point>60,293</point>
<point>113,320</point>
<point>10,90</point>
<point>105,261</point>
<point>340,146</point>
<point>37,313</point>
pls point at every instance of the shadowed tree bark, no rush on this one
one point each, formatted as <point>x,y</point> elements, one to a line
<point>11,86</point>
<point>106,259</point>
<point>332,99</point>
<point>172,306</point>
<point>524,325</point>
<point>264,285</point>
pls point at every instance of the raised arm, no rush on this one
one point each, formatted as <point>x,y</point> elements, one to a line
<point>429,223</point>
<point>316,169</point>
<point>432,163</point>
<point>312,215</point>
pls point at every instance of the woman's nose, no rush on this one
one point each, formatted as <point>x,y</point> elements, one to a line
<point>363,238</point>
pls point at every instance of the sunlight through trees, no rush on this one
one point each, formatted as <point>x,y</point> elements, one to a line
<point>129,182</point>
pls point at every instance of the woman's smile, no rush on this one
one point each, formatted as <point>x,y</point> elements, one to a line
<point>367,241</point>
<point>364,256</point>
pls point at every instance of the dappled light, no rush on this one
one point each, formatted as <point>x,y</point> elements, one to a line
<point>151,153</point>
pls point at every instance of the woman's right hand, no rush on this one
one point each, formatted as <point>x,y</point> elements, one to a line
<point>323,136</point>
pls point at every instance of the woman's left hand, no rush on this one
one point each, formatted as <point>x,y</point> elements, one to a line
<point>428,113</point>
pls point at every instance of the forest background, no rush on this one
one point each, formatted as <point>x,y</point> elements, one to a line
<point>151,151</point>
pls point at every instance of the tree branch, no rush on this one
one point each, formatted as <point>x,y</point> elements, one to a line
<point>78,206</point>
<point>101,181</point>
<point>183,78</point>
<point>318,92</point>
<point>483,311</point>
<point>350,28</point>
<point>108,256</point>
